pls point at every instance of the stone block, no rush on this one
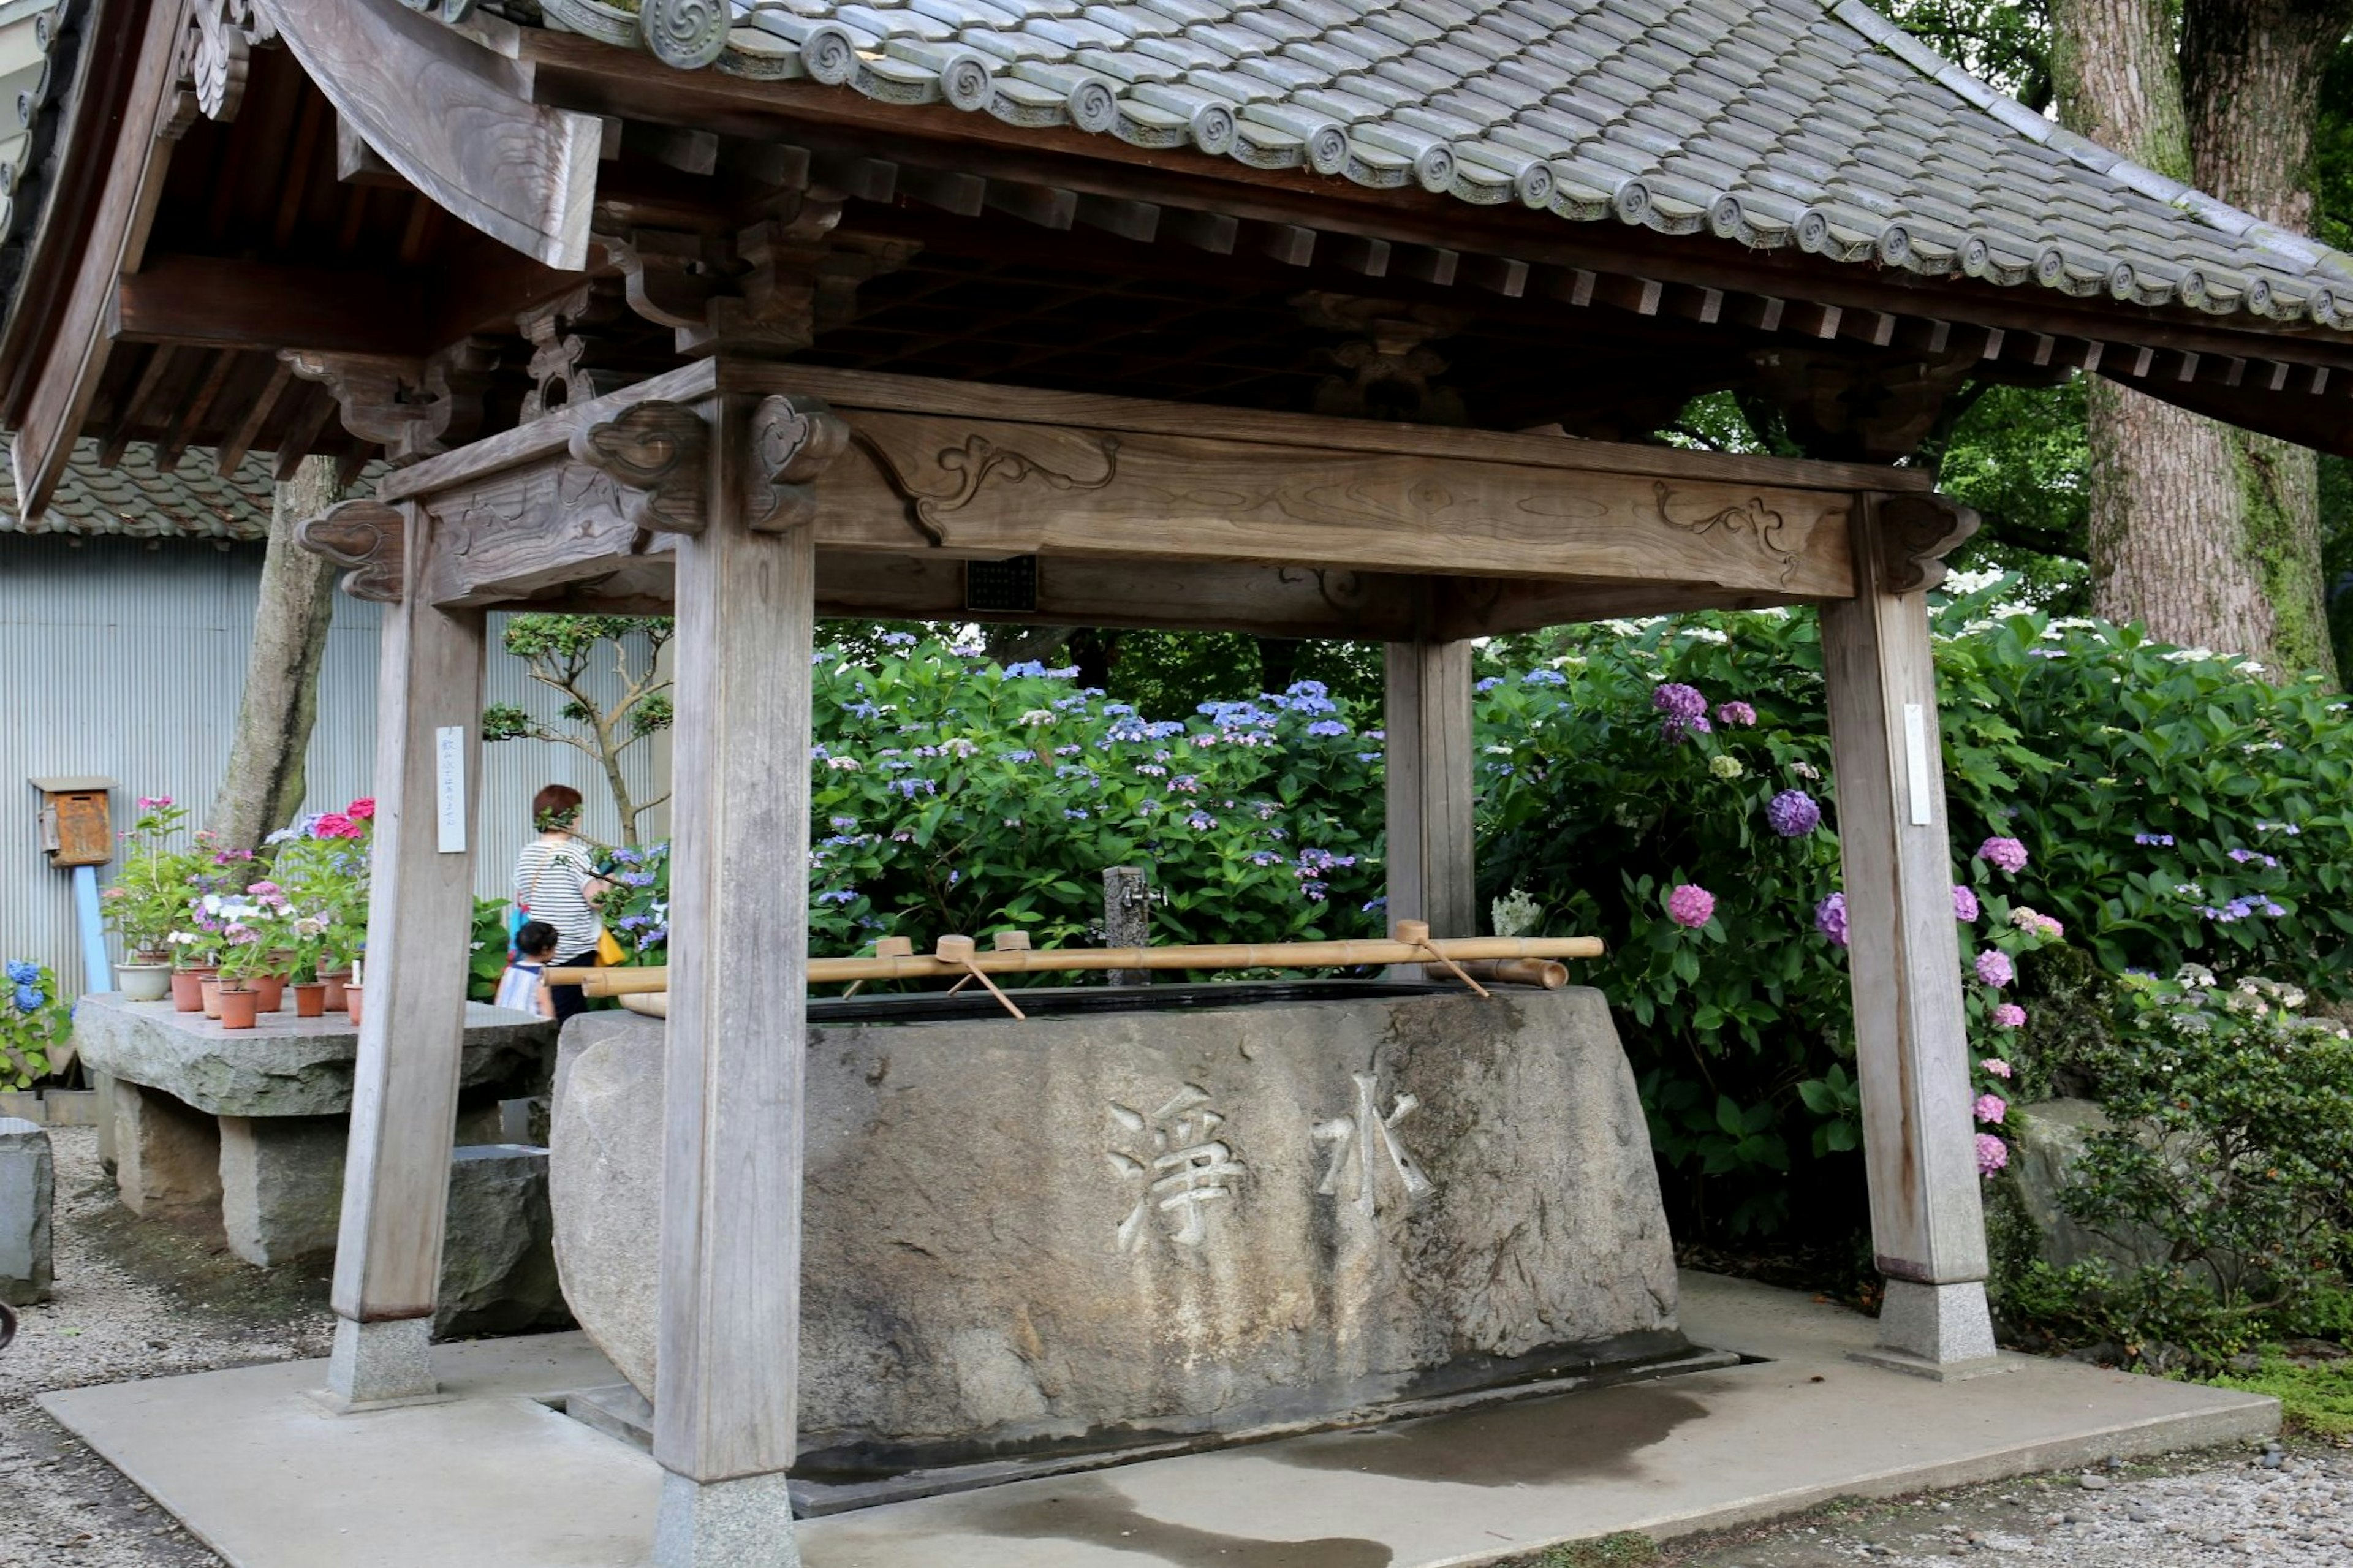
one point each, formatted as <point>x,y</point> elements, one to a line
<point>104,1085</point>
<point>498,1251</point>
<point>1938,1325</point>
<point>167,1155</point>
<point>281,1180</point>
<point>2048,1139</point>
<point>288,1066</point>
<point>1078,1231</point>
<point>27,1199</point>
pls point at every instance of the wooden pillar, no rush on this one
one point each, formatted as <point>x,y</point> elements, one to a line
<point>420,921</point>
<point>1432,863</point>
<point>725,1400</point>
<point>1911,1039</point>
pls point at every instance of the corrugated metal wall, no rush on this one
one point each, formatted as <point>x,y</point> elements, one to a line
<point>127,661</point>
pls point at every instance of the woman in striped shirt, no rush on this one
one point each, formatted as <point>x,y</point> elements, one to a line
<point>555,881</point>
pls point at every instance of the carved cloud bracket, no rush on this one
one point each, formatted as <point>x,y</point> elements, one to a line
<point>659,453</point>
<point>209,66</point>
<point>366,536</point>
<point>792,440</point>
<point>1913,535</point>
<point>411,409</point>
<point>1756,521</point>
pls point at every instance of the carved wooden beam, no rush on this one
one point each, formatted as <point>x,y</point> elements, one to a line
<point>659,453</point>
<point>368,536</point>
<point>411,409</point>
<point>1913,534</point>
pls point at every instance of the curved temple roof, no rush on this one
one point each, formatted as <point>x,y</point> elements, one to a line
<point>1774,123</point>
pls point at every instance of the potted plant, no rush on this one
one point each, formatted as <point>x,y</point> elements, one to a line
<point>309,948</point>
<point>149,899</point>
<point>250,939</point>
<point>321,865</point>
<point>34,1022</point>
<point>352,993</point>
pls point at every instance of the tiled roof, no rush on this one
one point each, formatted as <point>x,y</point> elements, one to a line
<point>1774,123</point>
<point>143,500</point>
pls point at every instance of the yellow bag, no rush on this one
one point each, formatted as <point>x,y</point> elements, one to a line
<point>609,951</point>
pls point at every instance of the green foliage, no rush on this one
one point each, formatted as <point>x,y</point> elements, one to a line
<point>487,950</point>
<point>2233,1142</point>
<point>1622,1550</point>
<point>2004,43</point>
<point>148,897</point>
<point>2318,1397</point>
<point>562,653</point>
<point>2021,456</point>
<point>35,1021</point>
<point>956,795</point>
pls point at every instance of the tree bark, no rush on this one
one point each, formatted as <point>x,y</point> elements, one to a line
<point>262,788</point>
<point>2207,534</point>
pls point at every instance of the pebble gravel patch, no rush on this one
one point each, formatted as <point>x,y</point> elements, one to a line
<point>133,1300</point>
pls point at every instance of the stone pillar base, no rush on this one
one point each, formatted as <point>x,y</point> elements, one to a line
<point>377,1365</point>
<point>1940,1331</point>
<point>742,1523</point>
<point>27,1194</point>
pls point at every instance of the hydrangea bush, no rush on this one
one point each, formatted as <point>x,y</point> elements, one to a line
<point>35,1021</point>
<point>954,795</point>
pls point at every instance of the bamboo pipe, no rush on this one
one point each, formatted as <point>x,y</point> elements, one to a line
<point>1207,955</point>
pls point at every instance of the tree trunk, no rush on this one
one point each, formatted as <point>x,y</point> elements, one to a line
<point>2251,72</point>
<point>262,789</point>
<point>2207,534</point>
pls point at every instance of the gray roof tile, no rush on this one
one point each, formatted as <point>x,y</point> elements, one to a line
<point>141,500</point>
<point>1737,116</point>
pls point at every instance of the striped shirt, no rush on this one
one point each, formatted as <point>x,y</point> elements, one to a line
<point>547,882</point>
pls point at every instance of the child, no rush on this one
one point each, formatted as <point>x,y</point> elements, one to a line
<point>522,987</point>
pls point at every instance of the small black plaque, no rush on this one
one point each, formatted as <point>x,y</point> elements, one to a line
<point>1005,587</point>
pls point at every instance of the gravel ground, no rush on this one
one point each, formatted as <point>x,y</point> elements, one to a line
<point>138,1300</point>
<point>133,1300</point>
<point>2288,1506</point>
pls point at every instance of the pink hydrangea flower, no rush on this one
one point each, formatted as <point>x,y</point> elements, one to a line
<point>1990,1108</point>
<point>1992,1154</point>
<point>1829,918</point>
<point>1690,905</point>
<point>2010,1016</point>
<point>361,809</point>
<point>332,824</point>
<point>154,802</point>
<point>1995,968</point>
<point>2004,854</point>
<point>1964,904</point>
<point>1995,1066</point>
<point>1734,713</point>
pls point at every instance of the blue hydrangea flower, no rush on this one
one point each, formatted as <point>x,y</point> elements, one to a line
<point>29,998</point>
<point>1327,727</point>
<point>23,973</point>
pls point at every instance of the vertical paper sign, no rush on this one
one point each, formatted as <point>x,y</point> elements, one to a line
<point>450,787</point>
<point>1915,753</point>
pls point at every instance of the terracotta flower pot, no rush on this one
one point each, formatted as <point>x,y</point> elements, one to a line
<point>240,1006</point>
<point>351,1004</point>
<point>273,991</point>
<point>212,987</point>
<point>311,1000</point>
<point>187,992</point>
<point>334,991</point>
<point>144,982</point>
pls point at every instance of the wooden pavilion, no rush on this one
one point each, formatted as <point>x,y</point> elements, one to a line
<point>1309,317</point>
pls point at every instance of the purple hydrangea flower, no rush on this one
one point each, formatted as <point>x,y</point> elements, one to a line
<point>1690,905</point>
<point>1992,1154</point>
<point>1994,967</point>
<point>1793,814</point>
<point>1736,713</point>
<point>1964,904</point>
<point>2010,1016</point>
<point>1990,1108</point>
<point>1829,918</point>
<point>2003,854</point>
<point>1679,701</point>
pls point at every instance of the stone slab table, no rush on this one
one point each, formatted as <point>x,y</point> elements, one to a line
<point>253,1122</point>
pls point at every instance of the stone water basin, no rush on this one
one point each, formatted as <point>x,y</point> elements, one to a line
<point>1166,1214</point>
